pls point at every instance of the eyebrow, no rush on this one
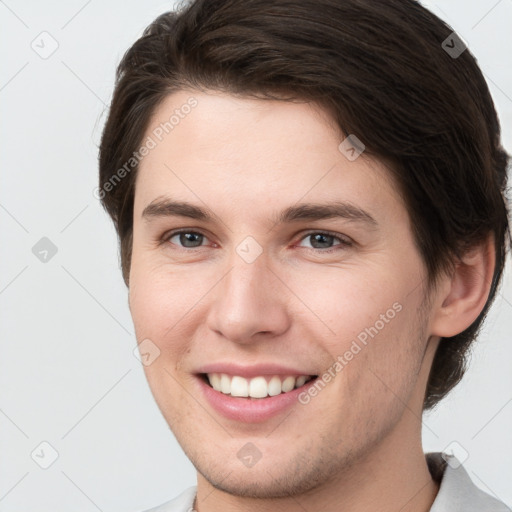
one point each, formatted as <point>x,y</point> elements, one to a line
<point>166,207</point>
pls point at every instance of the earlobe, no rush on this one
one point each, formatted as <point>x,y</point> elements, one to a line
<point>466,291</point>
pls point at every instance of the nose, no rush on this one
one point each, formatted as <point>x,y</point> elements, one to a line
<point>249,303</point>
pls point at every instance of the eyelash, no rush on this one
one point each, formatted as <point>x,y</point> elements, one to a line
<point>344,241</point>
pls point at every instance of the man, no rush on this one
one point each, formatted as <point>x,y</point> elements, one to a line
<point>309,197</point>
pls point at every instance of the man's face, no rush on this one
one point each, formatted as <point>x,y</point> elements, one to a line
<point>247,294</point>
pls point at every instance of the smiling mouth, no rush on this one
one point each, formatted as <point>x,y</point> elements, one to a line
<point>257,387</point>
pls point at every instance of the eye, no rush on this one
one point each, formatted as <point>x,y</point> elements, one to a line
<point>320,240</point>
<point>323,241</point>
<point>186,239</point>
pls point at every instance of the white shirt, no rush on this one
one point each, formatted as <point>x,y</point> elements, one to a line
<point>457,492</point>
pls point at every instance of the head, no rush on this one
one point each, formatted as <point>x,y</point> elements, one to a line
<point>239,123</point>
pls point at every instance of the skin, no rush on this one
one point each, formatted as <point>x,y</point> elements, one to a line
<point>357,445</point>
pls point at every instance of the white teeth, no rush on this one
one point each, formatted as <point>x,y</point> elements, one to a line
<point>257,387</point>
<point>300,381</point>
<point>215,381</point>
<point>239,386</point>
<point>274,386</point>
<point>288,384</point>
<point>225,384</point>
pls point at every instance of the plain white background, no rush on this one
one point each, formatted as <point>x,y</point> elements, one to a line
<point>68,376</point>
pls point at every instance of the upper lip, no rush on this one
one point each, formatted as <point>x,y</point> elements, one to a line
<point>251,371</point>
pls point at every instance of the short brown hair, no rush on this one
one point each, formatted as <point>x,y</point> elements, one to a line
<point>385,73</point>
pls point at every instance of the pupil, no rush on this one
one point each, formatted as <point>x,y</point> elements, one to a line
<point>320,236</point>
<point>187,238</point>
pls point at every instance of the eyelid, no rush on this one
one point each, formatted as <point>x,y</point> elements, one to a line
<point>344,239</point>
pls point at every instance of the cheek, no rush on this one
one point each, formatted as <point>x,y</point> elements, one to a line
<point>340,304</point>
<point>354,309</point>
<point>160,305</point>
<point>161,297</point>
<point>382,374</point>
<point>376,348</point>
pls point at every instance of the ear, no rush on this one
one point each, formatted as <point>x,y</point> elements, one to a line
<point>462,296</point>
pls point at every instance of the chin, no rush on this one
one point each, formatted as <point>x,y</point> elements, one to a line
<point>282,476</point>
<point>262,485</point>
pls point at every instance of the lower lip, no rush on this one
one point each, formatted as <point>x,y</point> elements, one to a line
<point>251,410</point>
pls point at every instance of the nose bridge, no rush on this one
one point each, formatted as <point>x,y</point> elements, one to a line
<point>249,269</point>
<point>245,289</point>
<point>247,300</point>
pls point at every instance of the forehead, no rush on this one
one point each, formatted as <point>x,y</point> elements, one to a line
<point>249,151</point>
<point>224,125</point>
